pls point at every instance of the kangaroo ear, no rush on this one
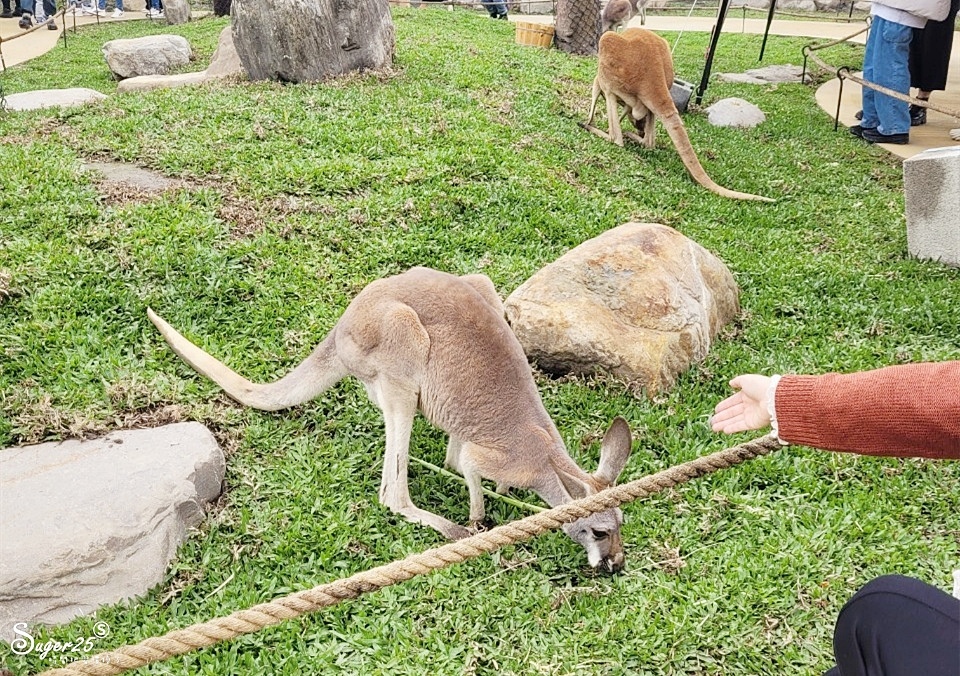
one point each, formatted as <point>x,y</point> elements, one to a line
<point>575,486</point>
<point>614,452</point>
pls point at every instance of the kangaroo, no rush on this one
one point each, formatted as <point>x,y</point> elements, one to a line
<point>618,13</point>
<point>635,70</point>
<point>439,343</point>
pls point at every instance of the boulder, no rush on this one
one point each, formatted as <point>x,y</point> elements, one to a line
<point>311,40</point>
<point>87,523</point>
<point>734,112</point>
<point>176,11</point>
<point>51,98</point>
<point>224,63</point>
<point>150,55</point>
<point>641,301</point>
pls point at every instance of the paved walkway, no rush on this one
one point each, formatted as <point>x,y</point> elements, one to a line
<point>16,48</point>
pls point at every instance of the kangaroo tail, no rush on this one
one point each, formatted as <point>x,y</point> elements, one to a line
<point>678,134</point>
<point>321,370</point>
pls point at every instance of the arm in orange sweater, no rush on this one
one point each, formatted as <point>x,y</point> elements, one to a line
<point>909,410</point>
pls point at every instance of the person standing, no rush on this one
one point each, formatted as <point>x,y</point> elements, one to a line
<point>49,8</point>
<point>930,60</point>
<point>886,63</point>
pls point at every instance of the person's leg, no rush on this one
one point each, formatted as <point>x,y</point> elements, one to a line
<point>26,20</point>
<point>868,119</point>
<point>891,71</point>
<point>898,626</point>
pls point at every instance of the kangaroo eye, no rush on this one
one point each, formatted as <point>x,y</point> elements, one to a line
<point>600,534</point>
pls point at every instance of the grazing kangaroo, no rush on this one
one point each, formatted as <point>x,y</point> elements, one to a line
<point>430,340</point>
<point>618,13</point>
<point>635,70</point>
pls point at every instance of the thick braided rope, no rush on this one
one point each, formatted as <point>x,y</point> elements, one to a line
<point>178,642</point>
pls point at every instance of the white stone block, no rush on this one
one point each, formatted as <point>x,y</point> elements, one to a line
<point>931,184</point>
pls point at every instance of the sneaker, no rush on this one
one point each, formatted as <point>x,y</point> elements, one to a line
<point>873,136</point>
<point>52,25</point>
<point>858,130</point>
<point>25,21</point>
<point>918,115</point>
<point>6,14</point>
<point>117,13</point>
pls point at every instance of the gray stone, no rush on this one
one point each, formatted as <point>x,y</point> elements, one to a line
<point>150,55</point>
<point>176,12</point>
<point>932,203</point>
<point>88,523</point>
<point>734,112</point>
<point>766,75</point>
<point>641,301</point>
<point>311,40</point>
<point>225,63</point>
<point>51,98</point>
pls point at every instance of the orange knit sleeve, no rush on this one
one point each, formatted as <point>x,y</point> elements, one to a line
<point>909,410</point>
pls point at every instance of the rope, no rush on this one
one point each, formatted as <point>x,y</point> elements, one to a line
<point>178,642</point>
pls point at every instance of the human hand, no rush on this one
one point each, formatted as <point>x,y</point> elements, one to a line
<point>747,409</point>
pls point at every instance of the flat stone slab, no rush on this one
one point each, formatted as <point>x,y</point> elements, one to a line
<point>88,523</point>
<point>52,98</point>
<point>766,75</point>
<point>734,112</point>
<point>131,174</point>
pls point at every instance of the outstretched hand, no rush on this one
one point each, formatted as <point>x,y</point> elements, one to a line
<point>747,409</point>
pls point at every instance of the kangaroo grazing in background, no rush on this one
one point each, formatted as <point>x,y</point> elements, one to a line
<point>439,343</point>
<point>618,13</point>
<point>635,70</point>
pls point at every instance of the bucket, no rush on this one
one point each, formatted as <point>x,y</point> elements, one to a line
<point>534,34</point>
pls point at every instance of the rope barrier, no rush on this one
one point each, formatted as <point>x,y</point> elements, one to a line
<point>178,642</point>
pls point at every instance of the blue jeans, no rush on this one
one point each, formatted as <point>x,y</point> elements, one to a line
<point>49,7</point>
<point>886,63</point>
<point>495,8</point>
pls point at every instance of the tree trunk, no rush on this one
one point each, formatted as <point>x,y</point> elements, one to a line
<point>577,29</point>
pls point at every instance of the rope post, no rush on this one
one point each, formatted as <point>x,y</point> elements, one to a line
<point>181,641</point>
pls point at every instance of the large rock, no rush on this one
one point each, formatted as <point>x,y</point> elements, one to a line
<point>150,55</point>
<point>310,40</point>
<point>176,11</point>
<point>224,64</point>
<point>641,301</point>
<point>87,523</point>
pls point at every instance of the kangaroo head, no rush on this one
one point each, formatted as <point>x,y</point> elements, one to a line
<point>599,533</point>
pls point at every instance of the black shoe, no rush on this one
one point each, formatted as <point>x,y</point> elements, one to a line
<point>858,131</point>
<point>51,25</point>
<point>873,136</point>
<point>18,11</point>
<point>918,115</point>
<point>25,21</point>
<point>6,14</point>
<point>502,16</point>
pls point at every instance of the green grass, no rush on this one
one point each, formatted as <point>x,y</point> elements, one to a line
<point>465,157</point>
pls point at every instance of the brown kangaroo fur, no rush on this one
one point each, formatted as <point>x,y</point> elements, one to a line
<point>431,341</point>
<point>635,70</point>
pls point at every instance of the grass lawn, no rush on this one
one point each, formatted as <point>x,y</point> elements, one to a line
<point>465,157</point>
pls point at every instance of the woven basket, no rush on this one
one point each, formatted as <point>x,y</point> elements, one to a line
<point>534,34</point>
